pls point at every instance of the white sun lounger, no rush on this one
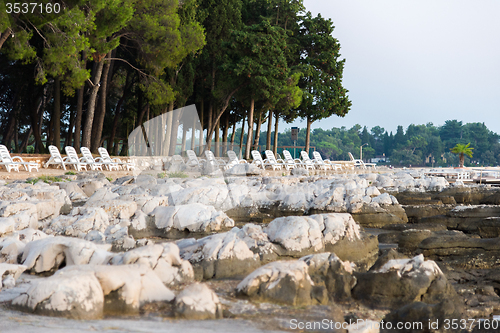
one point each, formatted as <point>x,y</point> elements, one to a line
<point>113,163</point>
<point>360,163</point>
<point>233,160</point>
<point>193,160</point>
<point>272,161</point>
<point>10,164</point>
<point>55,157</point>
<point>298,162</point>
<point>320,162</point>
<point>215,161</point>
<point>89,159</point>
<point>310,163</point>
<point>73,159</point>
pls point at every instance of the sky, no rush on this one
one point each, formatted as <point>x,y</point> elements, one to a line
<point>416,61</point>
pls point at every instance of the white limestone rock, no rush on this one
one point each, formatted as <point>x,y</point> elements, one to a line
<point>79,222</point>
<point>90,186</point>
<point>104,194</point>
<point>115,209</point>
<point>73,294</point>
<point>192,217</point>
<point>402,281</point>
<point>9,273</point>
<point>12,246</point>
<point>47,254</point>
<point>372,191</point>
<point>74,192</point>
<point>135,285</point>
<point>286,282</point>
<point>163,258</point>
<point>337,226</point>
<point>206,191</point>
<point>7,225</point>
<point>197,302</point>
<point>24,213</point>
<point>219,255</point>
<point>438,184</point>
<point>383,199</point>
<point>295,233</point>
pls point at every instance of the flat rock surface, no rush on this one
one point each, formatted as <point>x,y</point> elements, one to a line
<point>18,322</point>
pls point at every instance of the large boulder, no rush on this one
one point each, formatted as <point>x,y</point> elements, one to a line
<point>12,246</point>
<point>462,251</point>
<point>403,281</point>
<point>244,169</point>
<point>197,302</point>
<point>326,269</point>
<point>79,222</point>
<point>125,287</point>
<point>285,282</point>
<point>163,259</point>
<point>48,254</point>
<point>176,220</point>
<point>9,273</point>
<point>73,294</point>
<point>420,317</point>
<point>23,213</point>
<point>221,255</point>
<point>295,235</point>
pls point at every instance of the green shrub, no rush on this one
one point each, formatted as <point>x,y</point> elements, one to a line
<point>70,173</point>
<point>45,179</point>
<point>178,174</point>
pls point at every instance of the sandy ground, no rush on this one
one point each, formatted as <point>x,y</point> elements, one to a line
<point>13,175</point>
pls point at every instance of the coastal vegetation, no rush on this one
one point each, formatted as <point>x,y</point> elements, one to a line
<point>94,71</point>
<point>420,145</point>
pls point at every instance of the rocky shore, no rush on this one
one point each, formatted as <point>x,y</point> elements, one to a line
<point>260,252</point>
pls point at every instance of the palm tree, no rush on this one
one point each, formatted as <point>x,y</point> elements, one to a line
<point>462,150</point>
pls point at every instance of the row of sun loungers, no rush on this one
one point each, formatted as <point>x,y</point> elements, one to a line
<point>105,161</point>
<point>72,159</point>
<point>287,163</point>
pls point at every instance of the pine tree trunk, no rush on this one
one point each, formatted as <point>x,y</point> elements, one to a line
<point>115,121</point>
<point>200,148</point>
<point>308,134</point>
<point>225,130</point>
<point>69,133</point>
<point>35,125</point>
<point>56,115</point>
<point>4,36</point>
<point>175,131</point>
<point>257,132</point>
<point>269,129</point>
<point>79,108</point>
<point>250,130</point>
<point>87,129</point>
<point>242,135</point>
<point>233,135</point>
<point>275,147</point>
<point>193,134</point>
<point>210,108</point>
<point>217,139</point>
<point>78,120</point>
<point>168,133</point>
<point>184,135</point>
<point>99,121</point>
<point>24,143</point>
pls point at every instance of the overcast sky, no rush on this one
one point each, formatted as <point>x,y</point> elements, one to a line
<point>416,61</point>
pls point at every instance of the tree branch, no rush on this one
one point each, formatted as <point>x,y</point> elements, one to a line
<point>137,69</point>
